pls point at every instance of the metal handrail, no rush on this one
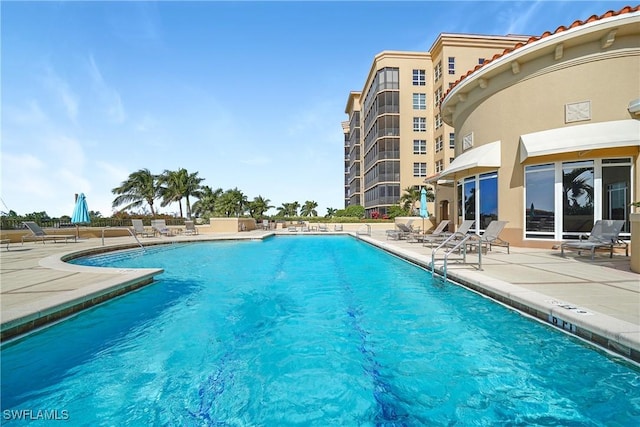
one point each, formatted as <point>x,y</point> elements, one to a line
<point>122,228</point>
<point>462,243</point>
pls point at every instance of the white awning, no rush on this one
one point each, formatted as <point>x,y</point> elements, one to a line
<point>487,155</point>
<point>619,133</point>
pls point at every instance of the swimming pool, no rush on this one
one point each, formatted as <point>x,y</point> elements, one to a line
<point>307,330</point>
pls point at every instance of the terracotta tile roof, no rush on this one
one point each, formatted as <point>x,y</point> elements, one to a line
<point>592,18</point>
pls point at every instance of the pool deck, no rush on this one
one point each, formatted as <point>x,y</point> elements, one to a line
<point>597,300</point>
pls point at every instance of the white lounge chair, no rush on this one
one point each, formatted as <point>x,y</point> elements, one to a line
<point>323,227</point>
<point>38,233</point>
<point>189,228</point>
<point>139,230</point>
<point>159,226</point>
<point>604,234</point>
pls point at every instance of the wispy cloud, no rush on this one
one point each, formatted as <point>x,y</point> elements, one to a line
<point>30,114</point>
<point>519,17</point>
<point>62,92</point>
<point>256,161</point>
<point>108,96</point>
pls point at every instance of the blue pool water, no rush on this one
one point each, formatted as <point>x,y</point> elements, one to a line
<point>313,330</point>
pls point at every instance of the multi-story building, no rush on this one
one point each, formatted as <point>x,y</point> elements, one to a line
<point>353,167</point>
<point>548,133</point>
<point>396,136</point>
<point>452,56</point>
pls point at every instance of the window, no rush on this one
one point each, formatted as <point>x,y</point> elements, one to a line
<point>439,166</point>
<point>437,72</point>
<point>419,78</point>
<point>438,144</point>
<point>419,124</point>
<point>437,97</point>
<point>452,65</point>
<point>419,146</point>
<point>539,200</point>
<point>452,140</point>
<point>419,101</point>
<point>419,169</point>
<point>577,196</point>
<point>478,199</point>
<point>616,190</point>
<point>564,199</point>
<point>438,121</point>
<point>480,61</point>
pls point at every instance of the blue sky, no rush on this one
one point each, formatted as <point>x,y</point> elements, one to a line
<point>248,94</point>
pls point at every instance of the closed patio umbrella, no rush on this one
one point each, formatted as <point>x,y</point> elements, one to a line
<point>80,213</point>
<point>423,206</point>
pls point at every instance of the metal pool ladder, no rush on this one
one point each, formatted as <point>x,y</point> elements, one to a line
<point>455,243</point>
<point>123,228</point>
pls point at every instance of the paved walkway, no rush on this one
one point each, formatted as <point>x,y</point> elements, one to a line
<point>598,300</point>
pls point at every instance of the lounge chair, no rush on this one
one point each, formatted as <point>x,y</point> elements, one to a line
<point>265,224</point>
<point>438,232</point>
<point>323,227</point>
<point>403,232</point>
<point>338,227</point>
<point>160,227</point>
<point>138,229</point>
<point>189,228</point>
<point>605,234</point>
<point>439,238</point>
<point>490,237</point>
<point>38,233</point>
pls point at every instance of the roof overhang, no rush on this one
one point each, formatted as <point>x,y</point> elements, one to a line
<point>592,136</point>
<point>484,156</point>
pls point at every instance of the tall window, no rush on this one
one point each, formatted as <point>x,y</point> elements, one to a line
<point>439,166</point>
<point>419,101</point>
<point>436,97</point>
<point>419,146</point>
<point>577,196</point>
<point>419,124</point>
<point>438,144</point>
<point>478,199</point>
<point>452,65</point>
<point>437,72</point>
<point>419,169</point>
<point>438,121</point>
<point>419,78</point>
<point>616,190</point>
<point>452,140</point>
<point>539,200</point>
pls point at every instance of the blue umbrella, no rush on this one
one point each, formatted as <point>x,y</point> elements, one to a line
<point>80,213</point>
<point>424,213</point>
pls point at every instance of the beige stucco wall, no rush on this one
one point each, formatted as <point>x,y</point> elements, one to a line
<point>533,99</point>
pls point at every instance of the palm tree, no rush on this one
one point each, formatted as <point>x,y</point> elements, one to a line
<point>409,198</point>
<point>309,208</point>
<point>577,188</point>
<point>289,209</point>
<point>232,203</point>
<point>206,205</point>
<point>259,206</point>
<point>141,186</point>
<point>331,212</point>
<point>176,185</point>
